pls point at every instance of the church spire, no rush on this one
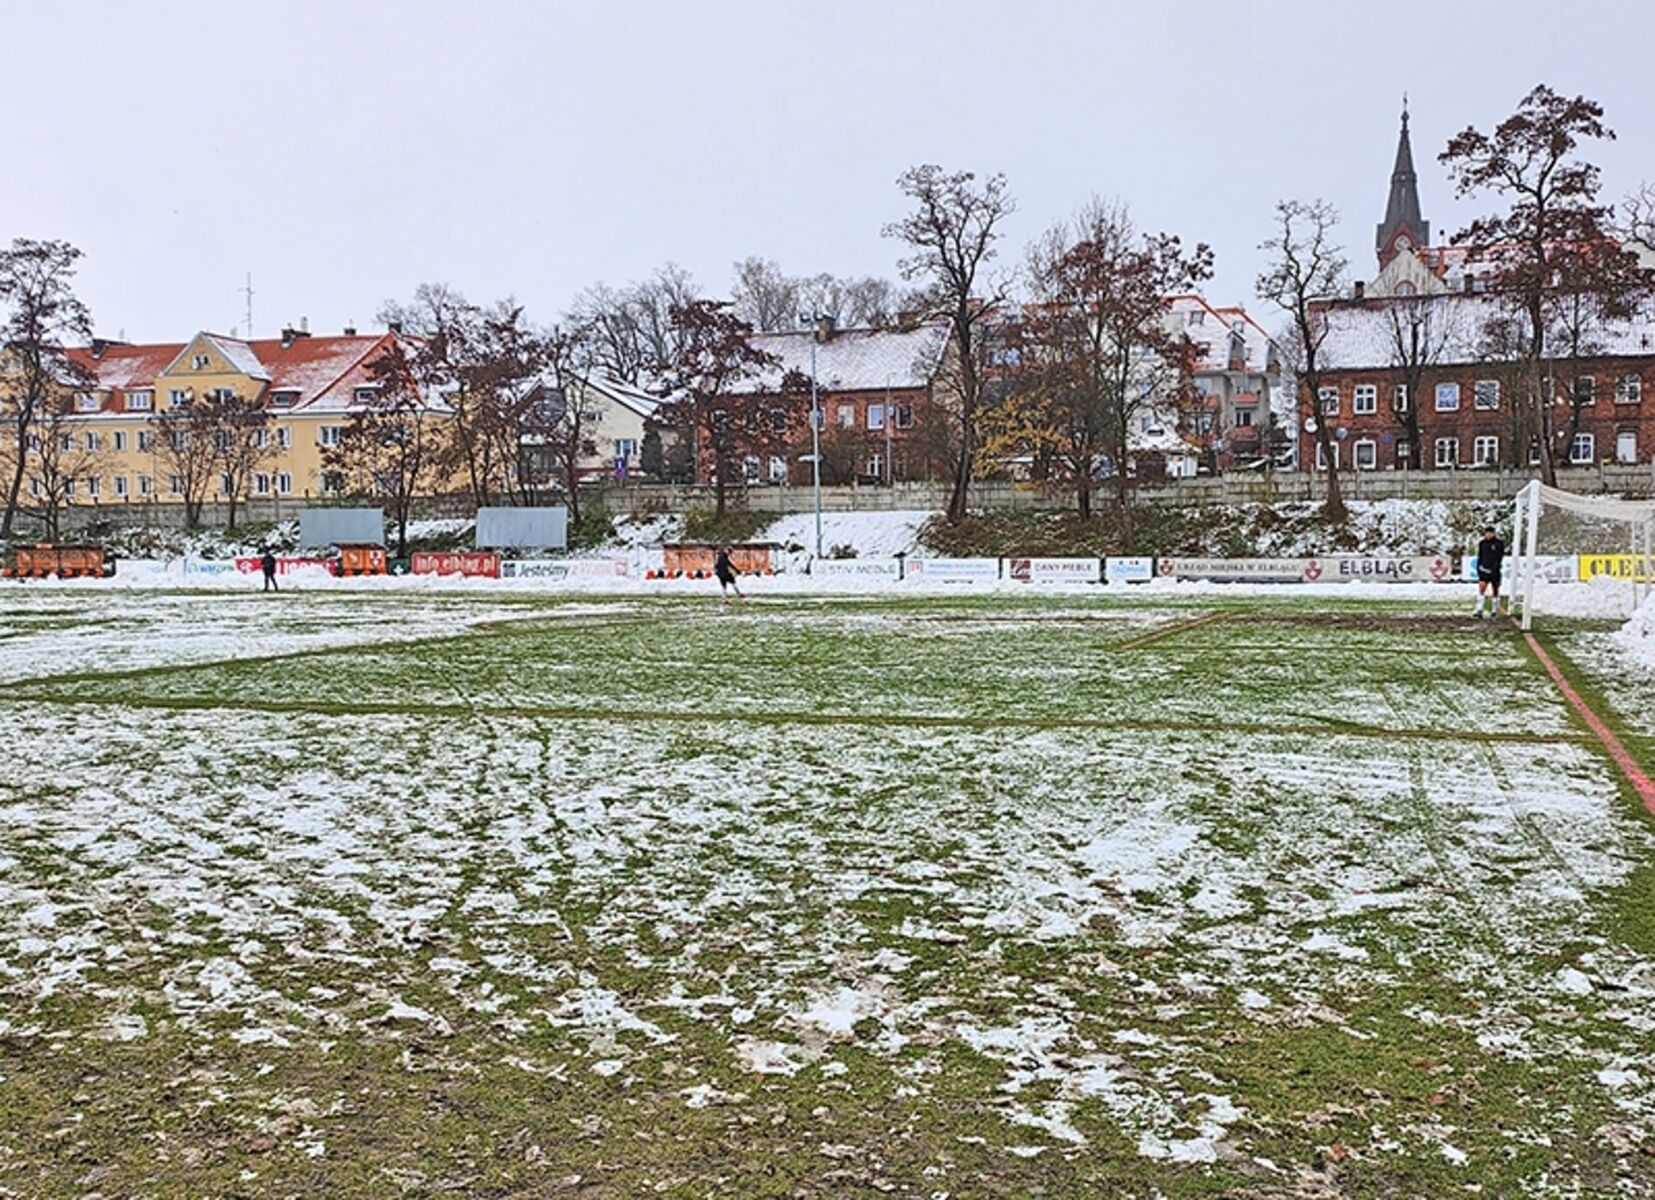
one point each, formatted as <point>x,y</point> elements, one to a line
<point>1403,226</point>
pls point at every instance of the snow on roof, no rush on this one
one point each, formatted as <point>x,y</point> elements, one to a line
<point>1210,326</point>
<point>323,370</point>
<point>121,368</point>
<point>239,354</point>
<point>1360,335</point>
<point>853,360</point>
<point>627,396</point>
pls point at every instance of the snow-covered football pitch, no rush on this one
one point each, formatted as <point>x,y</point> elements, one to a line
<point>356,894</point>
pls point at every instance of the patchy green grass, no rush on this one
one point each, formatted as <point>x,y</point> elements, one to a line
<point>363,896</point>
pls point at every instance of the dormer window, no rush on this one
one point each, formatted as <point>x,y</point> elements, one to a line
<point>86,402</point>
<point>139,401</point>
<point>284,398</point>
<point>366,395</point>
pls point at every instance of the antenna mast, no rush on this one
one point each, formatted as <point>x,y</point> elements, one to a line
<point>248,292</point>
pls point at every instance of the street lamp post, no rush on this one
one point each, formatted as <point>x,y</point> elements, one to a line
<point>816,435</point>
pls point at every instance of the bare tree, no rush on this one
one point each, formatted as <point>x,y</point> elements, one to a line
<point>951,236</point>
<point>1420,330</point>
<point>633,332</point>
<point>43,317</point>
<point>1554,242</point>
<point>184,446</point>
<point>1307,268</point>
<point>763,296</point>
<point>65,460</point>
<point>242,447</point>
<point>1638,219</point>
<point>556,423</point>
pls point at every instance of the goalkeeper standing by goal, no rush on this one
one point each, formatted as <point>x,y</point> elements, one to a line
<point>1491,553</point>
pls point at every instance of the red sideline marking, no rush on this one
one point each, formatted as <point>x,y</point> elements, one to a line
<point>1634,773</point>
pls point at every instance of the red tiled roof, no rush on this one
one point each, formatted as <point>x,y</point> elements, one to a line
<point>122,368</point>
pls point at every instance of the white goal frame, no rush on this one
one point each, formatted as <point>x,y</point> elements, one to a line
<point>1639,516</point>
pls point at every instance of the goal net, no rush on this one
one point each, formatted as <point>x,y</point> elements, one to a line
<point>1580,556</point>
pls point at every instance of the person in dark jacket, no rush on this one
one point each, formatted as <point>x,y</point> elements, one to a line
<point>267,561</point>
<point>1491,554</point>
<point>725,571</point>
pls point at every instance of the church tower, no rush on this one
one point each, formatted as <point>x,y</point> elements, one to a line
<point>1403,227</point>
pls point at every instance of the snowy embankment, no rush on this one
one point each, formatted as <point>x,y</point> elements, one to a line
<point>1637,636</point>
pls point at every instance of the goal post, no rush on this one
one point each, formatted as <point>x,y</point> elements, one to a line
<point>1584,556</point>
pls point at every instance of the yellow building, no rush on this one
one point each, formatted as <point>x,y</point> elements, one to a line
<point>309,385</point>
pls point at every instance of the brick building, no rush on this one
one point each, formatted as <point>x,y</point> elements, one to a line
<point>875,389</point>
<point>1414,374</point>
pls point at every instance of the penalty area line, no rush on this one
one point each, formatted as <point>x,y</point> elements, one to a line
<point>1635,775</point>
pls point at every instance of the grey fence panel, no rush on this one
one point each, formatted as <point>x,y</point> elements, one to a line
<point>320,527</point>
<point>523,528</point>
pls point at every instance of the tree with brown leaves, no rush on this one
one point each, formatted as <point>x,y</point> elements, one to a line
<point>1552,256</point>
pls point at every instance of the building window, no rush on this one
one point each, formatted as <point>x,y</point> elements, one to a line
<point>902,416</point>
<point>146,485</point>
<point>1365,399</point>
<point>146,440</point>
<point>223,439</point>
<point>284,438</point>
<point>1586,390</point>
<point>175,485</point>
<point>178,397</point>
<point>876,466</point>
<point>778,420</point>
<point>1404,452</point>
<point>750,468</point>
<point>1448,452</point>
<point>140,401</point>
<point>1583,449</point>
<point>876,416</point>
<point>179,439</point>
<point>261,484</point>
<point>1399,398</point>
<point>260,438</point>
<point>626,449</point>
<point>120,485</point>
<point>847,416</point>
<point>778,469</point>
<point>120,439</point>
<point>1329,397</point>
<point>34,486</point>
<point>333,481</point>
<point>94,441</point>
<point>200,362</point>
<point>366,395</point>
<point>1485,394</point>
<point>68,486</point>
<point>1534,452</point>
<point>330,435</point>
<point>1321,456</point>
<point>1365,455</point>
<point>66,443</point>
<point>1448,397</point>
<point>284,483</point>
<point>1485,451</point>
<point>86,402</point>
<point>33,442</point>
<point>226,486</point>
<point>94,486</point>
<point>285,398</point>
<point>1628,389</point>
<point>1626,447</point>
<point>1244,417</point>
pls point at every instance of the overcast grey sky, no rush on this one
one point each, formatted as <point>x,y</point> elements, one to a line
<point>343,152</point>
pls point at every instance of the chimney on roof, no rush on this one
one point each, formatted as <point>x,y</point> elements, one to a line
<point>99,345</point>
<point>304,326</point>
<point>1361,289</point>
<point>395,327</point>
<point>350,329</point>
<point>1470,283</point>
<point>825,328</point>
<point>291,335</point>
